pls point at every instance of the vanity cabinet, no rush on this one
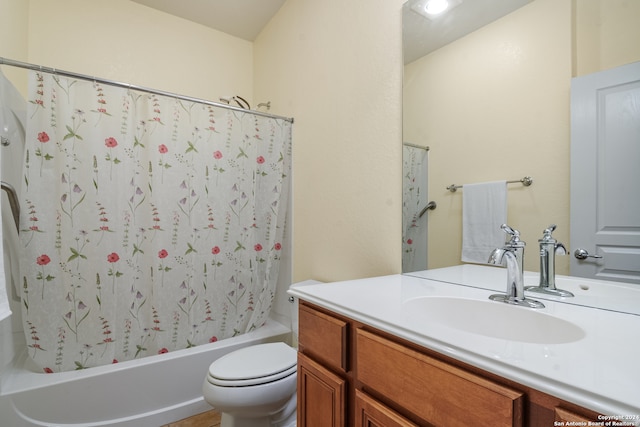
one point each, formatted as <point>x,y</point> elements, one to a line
<point>350,374</point>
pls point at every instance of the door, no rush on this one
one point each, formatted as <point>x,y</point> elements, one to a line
<point>605,174</point>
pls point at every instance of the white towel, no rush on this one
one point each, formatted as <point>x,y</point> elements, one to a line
<point>484,210</point>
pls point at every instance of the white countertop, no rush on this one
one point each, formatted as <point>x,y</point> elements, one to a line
<point>600,371</point>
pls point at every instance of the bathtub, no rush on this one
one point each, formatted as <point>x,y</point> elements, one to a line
<point>152,391</point>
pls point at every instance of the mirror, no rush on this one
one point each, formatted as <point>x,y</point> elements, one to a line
<point>492,102</point>
<point>422,35</point>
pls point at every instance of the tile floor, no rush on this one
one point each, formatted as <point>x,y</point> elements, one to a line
<point>206,419</point>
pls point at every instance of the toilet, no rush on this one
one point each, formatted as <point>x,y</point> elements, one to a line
<point>254,386</point>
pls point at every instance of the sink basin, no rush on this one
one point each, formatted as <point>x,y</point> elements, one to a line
<point>493,319</point>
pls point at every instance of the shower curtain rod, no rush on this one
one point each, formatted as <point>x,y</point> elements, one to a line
<point>19,64</point>
<point>408,144</point>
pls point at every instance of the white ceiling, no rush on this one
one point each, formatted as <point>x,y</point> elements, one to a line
<point>240,18</point>
<point>246,18</point>
<point>421,36</point>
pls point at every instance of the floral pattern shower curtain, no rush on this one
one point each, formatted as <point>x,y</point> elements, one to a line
<point>149,223</point>
<point>414,199</point>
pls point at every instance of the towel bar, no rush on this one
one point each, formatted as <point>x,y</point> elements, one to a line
<point>526,181</point>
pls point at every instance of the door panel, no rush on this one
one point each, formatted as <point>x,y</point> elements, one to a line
<point>605,173</point>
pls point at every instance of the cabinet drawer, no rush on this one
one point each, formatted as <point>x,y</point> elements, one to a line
<point>323,337</point>
<point>439,393</point>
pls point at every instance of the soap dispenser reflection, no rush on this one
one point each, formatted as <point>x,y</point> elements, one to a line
<point>549,248</point>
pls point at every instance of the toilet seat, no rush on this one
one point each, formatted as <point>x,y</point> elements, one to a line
<point>254,365</point>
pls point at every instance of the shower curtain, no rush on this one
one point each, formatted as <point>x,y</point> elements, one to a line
<point>414,199</point>
<point>149,223</point>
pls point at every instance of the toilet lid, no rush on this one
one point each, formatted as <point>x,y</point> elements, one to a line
<point>252,365</point>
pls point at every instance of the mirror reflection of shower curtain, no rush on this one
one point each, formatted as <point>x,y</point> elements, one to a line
<point>150,223</point>
<point>414,188</point>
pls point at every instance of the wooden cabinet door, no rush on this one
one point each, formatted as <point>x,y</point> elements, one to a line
<point>321,395</point>
<point>371,413</point>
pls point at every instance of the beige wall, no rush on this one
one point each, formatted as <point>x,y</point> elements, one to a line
<point>336,66</point>
<point>495,105</point>
<point>14,16</point>
<point>132,43</point>
<point>607,34</point>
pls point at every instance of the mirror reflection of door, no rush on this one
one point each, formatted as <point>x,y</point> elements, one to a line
<point>605,178</point>
<point>414,207</point>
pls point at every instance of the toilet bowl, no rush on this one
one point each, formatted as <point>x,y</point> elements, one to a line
<point>254,386</point>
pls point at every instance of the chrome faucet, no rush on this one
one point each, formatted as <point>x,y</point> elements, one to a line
<point>549,248</point>
<point>513,253</point>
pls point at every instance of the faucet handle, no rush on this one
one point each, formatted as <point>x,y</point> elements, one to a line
<point>510,231</point>
<point>546,235</point>
<point>515,236</point>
